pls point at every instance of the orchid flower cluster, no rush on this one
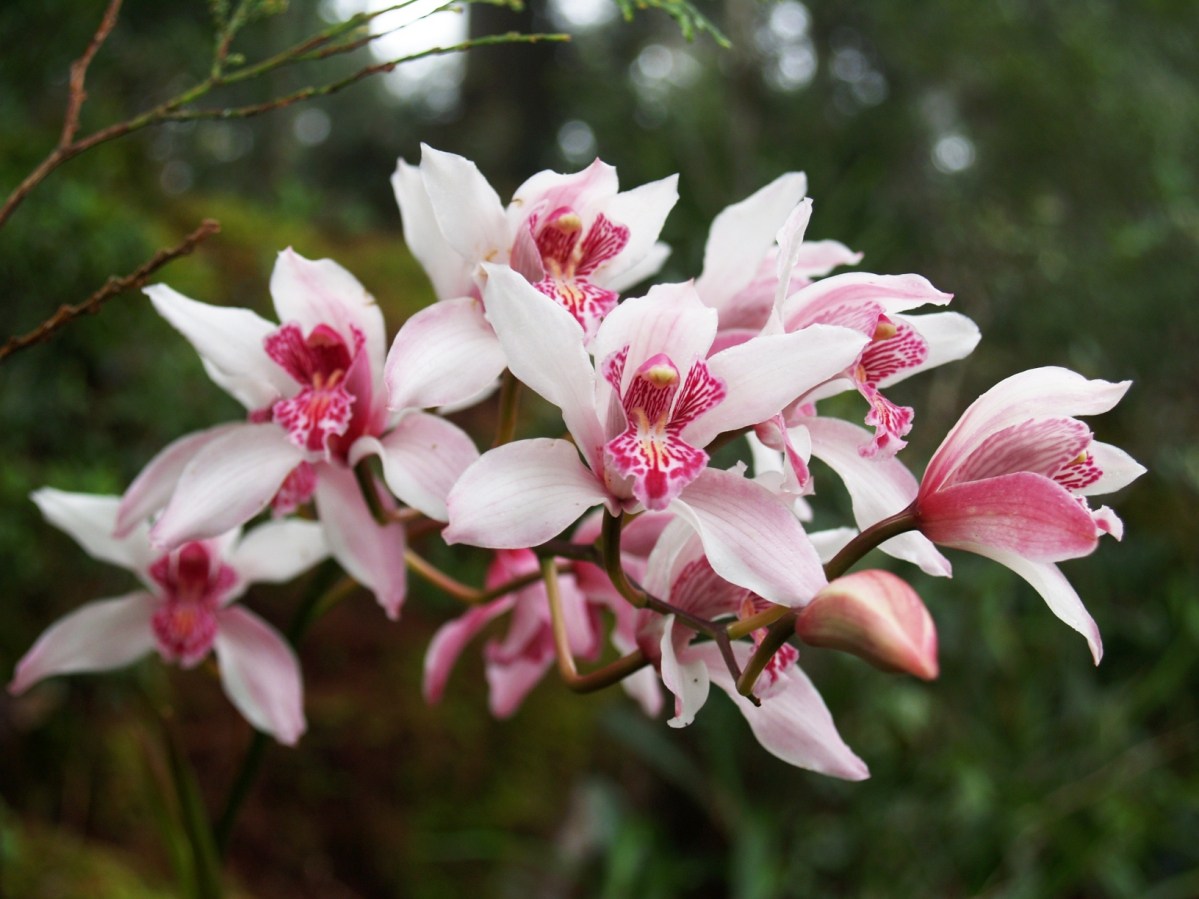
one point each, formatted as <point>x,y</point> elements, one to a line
<point>618,530</point>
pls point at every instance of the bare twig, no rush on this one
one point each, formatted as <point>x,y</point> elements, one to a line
<point>77,94</point>
<point>111,288</point>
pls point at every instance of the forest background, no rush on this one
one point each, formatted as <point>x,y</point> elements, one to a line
<point>1038,158</point>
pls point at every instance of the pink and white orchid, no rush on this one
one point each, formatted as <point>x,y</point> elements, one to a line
<point>642,426</point>
<point>185,611</point>
<point>317,405</point>
<point>1010,482</point>
<point>792,722</point>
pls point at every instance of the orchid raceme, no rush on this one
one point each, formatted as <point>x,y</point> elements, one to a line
<point>641,422</point>
<point>313,387</point>
<point>577,238</point>
<point>1011,482</point>
<point>186,610</point>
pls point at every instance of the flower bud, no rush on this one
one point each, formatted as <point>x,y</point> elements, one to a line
<point>876,616</point>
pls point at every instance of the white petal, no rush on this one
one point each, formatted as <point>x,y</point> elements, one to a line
<point>651,263</point>
<point>446,353</point>
<point>321,292</point>
<point>950,336</point>
<point>90,520</point>
<point>742,235</point>
<point>765,374</point>
<point>249,390</point>
<point>896,293</point>
<point>520,495</point>
<point>370,554</point>
<point>643,210</point>
<point>227,483</point>
<point>790,241</point>
<point>829,543</point>
<point>449,641</point>
<point>260,674</point>
<point>449,272</point>
<point>278,551</point>
<point>687,681</point>
<point>819,257</point>
<point>230,339</point>
<point>1048,580</point>
<point>99,636</point>
<point>877,487</point>
<point>793,724</point>
<point>422,458</point>
<point>751,538</point>
<point>151,490</point>
<point>1119,469</point>
<point>643,687</point>
<point>766,460</point>
<point>544,346</point>
<point>467,208</point>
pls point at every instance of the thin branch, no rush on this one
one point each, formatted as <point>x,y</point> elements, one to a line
<point>111,288</point>
<point>77,94</point>
<point>595,680</point>
<point>465,592</point>
<point>565,549</point>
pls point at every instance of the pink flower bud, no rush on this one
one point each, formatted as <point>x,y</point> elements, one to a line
<point>876,616</point>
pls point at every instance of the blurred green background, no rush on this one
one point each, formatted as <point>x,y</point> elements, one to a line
<point>1038,158</point>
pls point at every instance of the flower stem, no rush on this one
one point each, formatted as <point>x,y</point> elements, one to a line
<point>509,406</point>
<point>595,680</point>
<point>879,532</point>
<point>366,483</point>
<point>465,592</point>
<point>746,626</point>
<point>206,860</point>
<point>610,537</point>
<point>778,634</point>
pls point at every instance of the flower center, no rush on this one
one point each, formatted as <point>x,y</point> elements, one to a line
<point>192,582</point>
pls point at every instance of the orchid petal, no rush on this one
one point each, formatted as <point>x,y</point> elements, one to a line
<point>467,208</point>
<point>151,490</point>
<point>643,210</point>
<point>509,682</point>
<point>751,538</point>
<point>544,346</point>
<point>449,641</point>
<point>99,636</point>
<point>1048,580</point>
<point>895,293</point>
<point>90,521</point>
<point>520,495</point>
<point>878,488</point>
<point>1024,513</point>
<point>830,542</point>
<point>949,336</point>
<point>688,681</point>
<point>277,551</point>
<point>584,191</point>
<point>1119,469</point>
<point>742,234</point>
<point>370,553</point>
<point>765,374</point>
<point>643,687</point>
<point>422,458</point>
<point>790,241</point>
<point>651,263</point>
<point>260,674</point>
<point>443,354</point>
<point>230,339</point>
<point>229,481</point>
<point>793,724</point>
<point>449,272</point>
<point>817,258</point>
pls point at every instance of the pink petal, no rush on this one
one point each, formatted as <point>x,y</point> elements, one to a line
<point>260,674</point>
<point>949,336</point>
<point>511,681</point>
<point>742,234</point>
<point>895,293</point>
<point>520,495</point>
<point>878,488</point>
<point>643,210</point>
<point>1061,598</point>
<point>151,490</point>
<point>90,521</point>
<point>544,346</point>
<point>444,354</point>
<point>228,482</point>
<point>467,208</point>
<point>688,681</point>
<point>751,538</point>
<point>587,191</point>
<point>278,551</point>
<point>229,340</point>
<point>793,724</point>
<point>449,641</point>
<point>445,266</point>
<point>643,687</point>
<point>99,636</point>
<point>1037,393</point>
<point>321,292</point>
<point>423,456</point>
<point>1021,513</point>
<point>767,373</point>
<point>370,554</point>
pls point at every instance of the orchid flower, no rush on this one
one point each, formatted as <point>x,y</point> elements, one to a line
<point>1010,482</point>
<point>317,406</point>
<point>642,426</point>
<point>515,664</point>
<point>792,722</point>
<point>185,611</point>
<point>576,238</point>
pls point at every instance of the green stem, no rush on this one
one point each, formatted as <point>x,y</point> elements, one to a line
<point>610,538</point>
<point>509,403</point>
<point>366,483</point>
<point>206,859</point>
